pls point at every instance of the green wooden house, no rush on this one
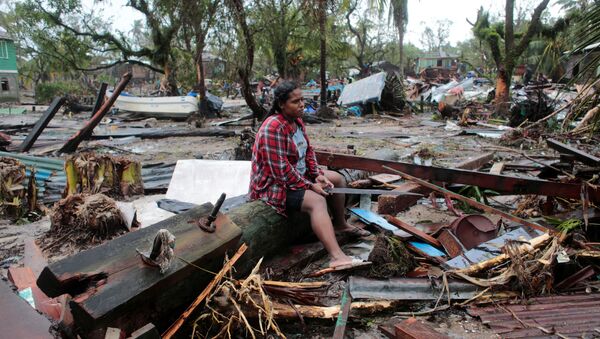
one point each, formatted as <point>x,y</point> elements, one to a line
<point>439,60</point>
<point>9,84</point>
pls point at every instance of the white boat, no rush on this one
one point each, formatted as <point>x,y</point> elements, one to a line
<point>159,107</point>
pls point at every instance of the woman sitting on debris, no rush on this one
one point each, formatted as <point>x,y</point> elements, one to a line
<point>285,173</point>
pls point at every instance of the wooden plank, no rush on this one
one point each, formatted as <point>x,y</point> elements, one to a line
<point>414,231</point>
<point>385,178</point>
<point>110,280</point>
<point>100,97</point>
<point>497,168</point>
<point>41,124</point>
<point>499,183</point>
<point>342,319</point>
<point>580,155</point>
<point>476,162</point>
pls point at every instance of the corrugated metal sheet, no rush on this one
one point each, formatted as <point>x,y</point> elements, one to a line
<point>51,179</point>
<point>363,91</point>
<point>544,317</point>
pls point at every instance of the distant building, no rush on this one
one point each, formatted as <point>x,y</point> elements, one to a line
<point>437,60</point>
<point>139,73</point>
<point>9,83</point>
<point>213,65</point>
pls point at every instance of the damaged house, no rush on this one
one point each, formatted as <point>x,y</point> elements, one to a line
<point>9,83</point>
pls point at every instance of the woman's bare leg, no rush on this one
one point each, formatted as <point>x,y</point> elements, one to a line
<point>316,206</point>
<point>337,202</point>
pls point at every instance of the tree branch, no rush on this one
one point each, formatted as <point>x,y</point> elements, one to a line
<point>534,26</point>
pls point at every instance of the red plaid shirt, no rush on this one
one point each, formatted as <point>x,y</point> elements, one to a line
<point>274,159</point>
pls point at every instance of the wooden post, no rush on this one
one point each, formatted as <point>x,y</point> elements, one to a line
<point>74,141</point>
<point>41,124</point>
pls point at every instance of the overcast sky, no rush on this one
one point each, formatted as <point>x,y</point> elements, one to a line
<point>421,13</point>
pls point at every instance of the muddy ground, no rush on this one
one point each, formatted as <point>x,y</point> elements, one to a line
<point>408,136</point>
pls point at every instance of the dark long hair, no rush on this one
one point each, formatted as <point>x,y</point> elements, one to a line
<point>281,95</point>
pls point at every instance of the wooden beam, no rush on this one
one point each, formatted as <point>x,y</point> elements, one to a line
<point>41,124</point>
<point>413,230</point>
<point>580,155</point>
<point>497,168</point>
<point>111,285</point>
<point>100,98</point>
<point>499,183</point>
<point>342,319</point>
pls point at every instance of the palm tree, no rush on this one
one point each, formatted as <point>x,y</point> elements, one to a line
<point>588,35</point>
<point>398,12</point>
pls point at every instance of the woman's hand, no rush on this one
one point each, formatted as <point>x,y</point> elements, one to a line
<point>321,185</point>
<point>324,182</point>
<point>318,188</point>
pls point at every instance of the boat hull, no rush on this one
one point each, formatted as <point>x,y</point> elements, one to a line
<point>167,107</point>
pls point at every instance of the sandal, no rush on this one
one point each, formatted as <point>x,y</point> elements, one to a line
<point>354,232</point>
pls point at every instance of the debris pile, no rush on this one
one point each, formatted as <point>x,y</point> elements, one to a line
<point>83,220</point>
<point>17,196</point>
<point>89,172</point>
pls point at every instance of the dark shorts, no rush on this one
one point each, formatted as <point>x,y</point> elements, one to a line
<point>293,200</point>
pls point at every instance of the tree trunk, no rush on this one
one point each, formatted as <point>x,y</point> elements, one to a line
<point>401,47</point>
<point>237,7</point>
<point>322,21</point>
<point>502,98</point>
<point>201,84</point>
<point>280,60</point>
<point>169,82</point>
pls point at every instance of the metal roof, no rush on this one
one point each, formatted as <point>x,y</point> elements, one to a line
<point>4,34</point>
<point>552,316</point>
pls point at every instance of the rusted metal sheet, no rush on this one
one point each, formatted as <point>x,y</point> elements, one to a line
<point>472,230</point>
<point>580,155</point>
<point>579,276</point>
<point>570,316</point>
<point>499,183</point>
<point>411,328</point>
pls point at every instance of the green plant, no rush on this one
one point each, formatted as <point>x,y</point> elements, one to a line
<point>564,225</point>
<point>474,192</point>
<point>45,92</point>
